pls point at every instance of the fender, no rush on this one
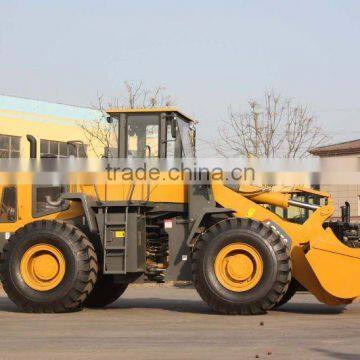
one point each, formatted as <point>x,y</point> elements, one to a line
<point>86,204</point>
<point>206,211</point>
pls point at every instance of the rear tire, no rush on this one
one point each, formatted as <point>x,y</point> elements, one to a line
<point>79,267</point>
<point>105,292</point>
<point>275,273</point>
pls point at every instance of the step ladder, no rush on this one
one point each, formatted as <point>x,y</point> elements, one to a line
<point>115,243</point>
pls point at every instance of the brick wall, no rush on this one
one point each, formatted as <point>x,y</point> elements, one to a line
<point>342,193</point>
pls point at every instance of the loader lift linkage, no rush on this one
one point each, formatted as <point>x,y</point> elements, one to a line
<point>82,244</point>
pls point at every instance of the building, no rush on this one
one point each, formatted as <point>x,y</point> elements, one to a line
<point>52,125</point>
<point>342,193</point>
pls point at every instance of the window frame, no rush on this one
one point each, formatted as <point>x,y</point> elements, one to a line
<point>9,148</point>
<point>128,118</point>
<point>178,149</point>
<point>16,203</point>
<point>58,145</point>
<point>36,214</point>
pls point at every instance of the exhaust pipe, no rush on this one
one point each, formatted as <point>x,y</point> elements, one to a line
<point>33,146</point>
<point>345,212</point>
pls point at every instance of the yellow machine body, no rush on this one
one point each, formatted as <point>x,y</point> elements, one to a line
<point>321,263</point>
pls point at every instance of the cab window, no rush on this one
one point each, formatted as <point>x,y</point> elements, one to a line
<point>143,136</point>
<point>170,141</point>
<point>47,200</point>
<point>8,205</point>
<point>187,136</point>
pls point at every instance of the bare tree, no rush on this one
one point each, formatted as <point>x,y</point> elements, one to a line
<point>100,135</point>
<point>138,97</point>
<point>276,128</point>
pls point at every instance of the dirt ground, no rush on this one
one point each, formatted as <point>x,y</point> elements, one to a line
<point>173,323</point>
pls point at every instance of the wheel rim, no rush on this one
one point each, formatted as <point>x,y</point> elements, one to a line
<point>42,267</point>
<point>238,267</point>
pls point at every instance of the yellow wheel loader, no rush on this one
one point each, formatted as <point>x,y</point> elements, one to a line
<point>81,244</point>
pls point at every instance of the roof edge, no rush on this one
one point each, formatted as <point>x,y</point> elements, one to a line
<point>342,148</point>
<point>335,152</point>
<point>115,111</point>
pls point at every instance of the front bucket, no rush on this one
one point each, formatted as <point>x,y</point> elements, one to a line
<point>336,266</point>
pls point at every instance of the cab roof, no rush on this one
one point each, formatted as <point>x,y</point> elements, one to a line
<point>118,111</point>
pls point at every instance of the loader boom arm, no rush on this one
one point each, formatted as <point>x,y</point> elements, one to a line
<point>320,262</point>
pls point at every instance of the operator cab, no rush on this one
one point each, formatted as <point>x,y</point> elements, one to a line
<point>151,133</point>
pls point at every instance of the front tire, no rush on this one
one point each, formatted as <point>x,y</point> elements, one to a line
<point>294,286</point>
<point>48,266</point>
<point>240,266</point>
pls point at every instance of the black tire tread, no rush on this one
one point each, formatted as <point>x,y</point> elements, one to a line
<point>86,278</point>
<point>291,291</point>
<point>283,274</point>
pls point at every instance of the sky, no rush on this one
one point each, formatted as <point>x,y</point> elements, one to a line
<point>208,54</point>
